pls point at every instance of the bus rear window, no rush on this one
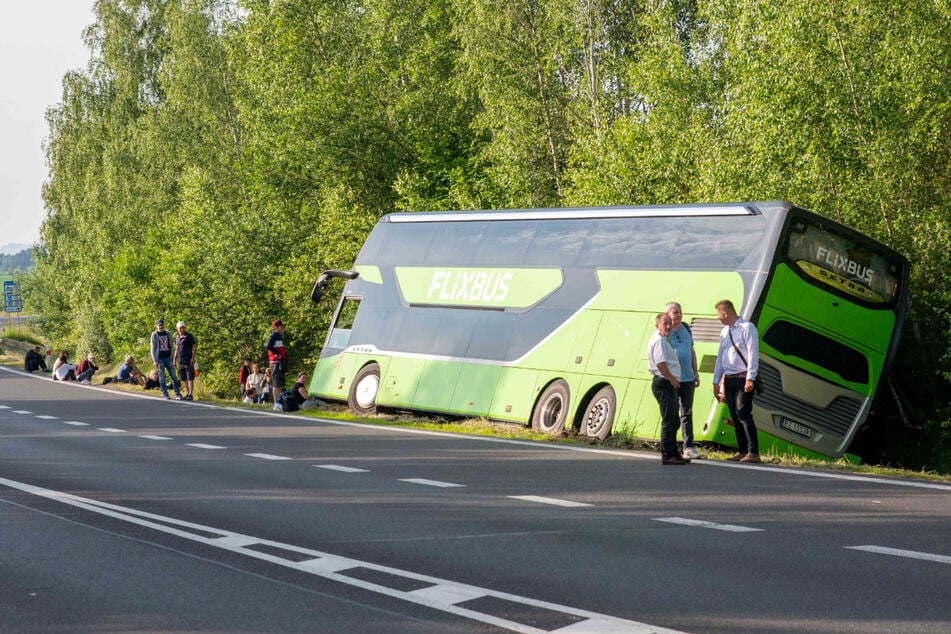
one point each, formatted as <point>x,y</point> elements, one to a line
<point>853,268</point>
<point>796,341</point>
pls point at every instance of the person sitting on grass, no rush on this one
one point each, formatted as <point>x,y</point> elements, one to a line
<point>63,370</point>
<point>34,360</point>
<point>128,372</point>
<point>152,383</point>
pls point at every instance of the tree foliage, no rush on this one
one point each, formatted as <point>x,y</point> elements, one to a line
<point>215,155</point>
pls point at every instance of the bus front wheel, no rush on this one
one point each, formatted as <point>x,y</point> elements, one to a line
<point>599,413</point>
<point>551,410</point>
<point>363,390</point>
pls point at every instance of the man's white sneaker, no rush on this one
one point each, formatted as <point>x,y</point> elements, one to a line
<point>692,453</point>
<point>277,408</point>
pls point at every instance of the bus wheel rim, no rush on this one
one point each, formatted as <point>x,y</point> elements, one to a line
<point>597,415</point>
<point>367,390</point>
<point>551,412</point>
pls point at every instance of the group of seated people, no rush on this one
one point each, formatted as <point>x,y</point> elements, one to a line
<point>64,370</point>
<point>257,386</point>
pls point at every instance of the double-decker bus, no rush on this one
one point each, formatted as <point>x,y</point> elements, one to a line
<point>542,317</point>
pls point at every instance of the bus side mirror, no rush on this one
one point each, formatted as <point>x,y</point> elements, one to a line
<point>324,279</point>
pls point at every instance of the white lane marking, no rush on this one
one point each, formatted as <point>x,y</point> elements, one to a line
<point>75,423</point>
<point>544,500</point>
<point>544,446</point>
<point>201,445</point>
<point>337,467</point>
<point>4,407</point>
<point>152,437</point>
<point>22,411</point>
<point>445,597</point>
<point>701,524</point>
<point>48,417</point>
<point>267,456</point>
<point>897,552</point>
<point>112,430</point>
<point>431,483</point>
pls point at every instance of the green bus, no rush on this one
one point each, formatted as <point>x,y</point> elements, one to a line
<point>542,317</point>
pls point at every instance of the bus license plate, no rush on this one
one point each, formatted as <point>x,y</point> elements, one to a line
<point>795,427</point>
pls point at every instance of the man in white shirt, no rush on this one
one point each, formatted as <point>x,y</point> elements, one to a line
<point>663,365</point>
<point>738,364</point>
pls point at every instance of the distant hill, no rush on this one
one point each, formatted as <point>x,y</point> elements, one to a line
<point>13,248</point>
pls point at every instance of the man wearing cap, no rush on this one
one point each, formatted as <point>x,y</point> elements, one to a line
<point>161,351</point>
<point>185,348</point>
<point>86,369</point>
<point>277,359</point>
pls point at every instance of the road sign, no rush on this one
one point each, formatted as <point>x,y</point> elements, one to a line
<point>12,301</point>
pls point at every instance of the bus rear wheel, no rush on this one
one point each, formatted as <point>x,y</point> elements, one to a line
<point>599,413</point>
<point>363,390</point>
<point>551,410</point>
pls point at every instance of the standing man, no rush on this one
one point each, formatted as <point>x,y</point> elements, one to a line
<point>682,341</point>
<point>277,360</point>
<point>737,364</point>
<point>663,364</point>
<point>161,351</point>
<point>185,349</point>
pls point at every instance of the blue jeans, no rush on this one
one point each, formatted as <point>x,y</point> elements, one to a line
<point>163,365</point>
<point>666,397</point>
<point>686,412</point>
<point>740,404</point>
<point>85,375</point>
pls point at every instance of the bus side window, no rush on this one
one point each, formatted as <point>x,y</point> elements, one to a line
<point>343,325</point>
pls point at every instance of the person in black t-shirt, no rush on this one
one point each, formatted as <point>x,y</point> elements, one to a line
<point>185,349</point>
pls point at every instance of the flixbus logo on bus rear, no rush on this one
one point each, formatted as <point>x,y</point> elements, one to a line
<point>495,287</point>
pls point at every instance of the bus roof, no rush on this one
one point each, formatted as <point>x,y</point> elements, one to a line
<point>583,213</point>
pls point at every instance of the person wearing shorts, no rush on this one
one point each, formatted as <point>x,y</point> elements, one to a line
<point>185,349</point>
<point>277,359</point>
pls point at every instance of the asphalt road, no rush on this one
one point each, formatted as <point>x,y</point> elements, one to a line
<point>125,513</point>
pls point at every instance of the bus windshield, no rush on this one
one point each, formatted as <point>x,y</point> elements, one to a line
<point>852,267</point>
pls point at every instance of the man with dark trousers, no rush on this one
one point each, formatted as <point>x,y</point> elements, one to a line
<point>737,365</point>
<point>34,360</point>
<point>277,359</point>
<point>663,365</point>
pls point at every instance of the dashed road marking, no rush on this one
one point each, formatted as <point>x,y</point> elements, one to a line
<point>153,437</point>
<point>701,524</point>
<point>22,411</point>
<point>267,456</point>
<point>337,467</point>
<point>75,423</point>
<point>478,604</point>
<point>48,417</point>
<point>201,445</point>
<point>897,552</point>
<point>431,483</point>
<point>553,501</point>
<point>111,430</point>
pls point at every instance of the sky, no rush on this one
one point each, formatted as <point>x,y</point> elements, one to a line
<point>40,40</point>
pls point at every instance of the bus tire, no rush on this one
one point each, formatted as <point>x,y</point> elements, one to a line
<point>551,409</point>
<point>364,389</point>
<point>598,417</point>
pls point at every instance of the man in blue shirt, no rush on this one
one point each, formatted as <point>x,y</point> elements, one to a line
<point>682,341</point>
